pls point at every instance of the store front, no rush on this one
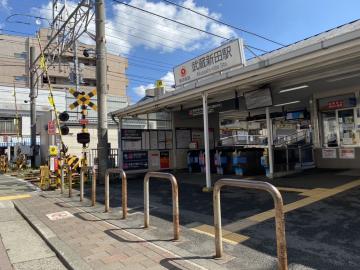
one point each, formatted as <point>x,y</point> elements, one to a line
<point>340,133</point>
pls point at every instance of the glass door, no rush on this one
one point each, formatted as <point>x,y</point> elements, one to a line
<point>330,131</point>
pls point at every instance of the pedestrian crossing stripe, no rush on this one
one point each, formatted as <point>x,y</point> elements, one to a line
<point>83,99</point>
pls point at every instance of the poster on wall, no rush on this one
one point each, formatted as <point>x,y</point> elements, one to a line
<point>145,140</point>
<point>131,139</point>
<point>154,159</point>
<point>135,160</point>
<point>153,139</point>
<point>328,153</point>
<point>164,160</point>
<point>183,138</point>
<point>168,140</point>
<point>347,153</point>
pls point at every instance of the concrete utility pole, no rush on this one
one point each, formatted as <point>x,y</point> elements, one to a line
<point>101,85</point>
<point>32,106</point>
<point>76,67</point>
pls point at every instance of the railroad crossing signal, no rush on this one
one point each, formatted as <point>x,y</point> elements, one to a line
<point>83,99</point>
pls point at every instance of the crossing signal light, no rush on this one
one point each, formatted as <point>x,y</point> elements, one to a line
<point>83,137</point>
<point>63,117</point>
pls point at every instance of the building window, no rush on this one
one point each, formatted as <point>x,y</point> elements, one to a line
<point>20,78</point>
<point>20,55</point>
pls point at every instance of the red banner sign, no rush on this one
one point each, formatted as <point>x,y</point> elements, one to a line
<point>336,104</point>
<point>51,127</point>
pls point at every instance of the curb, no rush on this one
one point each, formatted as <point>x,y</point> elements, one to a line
<point>65,253</point>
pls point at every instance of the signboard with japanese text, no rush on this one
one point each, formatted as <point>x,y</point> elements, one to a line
<point>164,160</point>
<point>329,153</point>
<point>258,98</point>
<point>336,104</point>
<point>51,127</point>
<point>224,57</point>
<point>135,160</point>
<point>347,153</point>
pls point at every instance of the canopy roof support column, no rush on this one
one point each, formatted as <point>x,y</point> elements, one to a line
<point>206,142</point>
<point>270,143</point>
<point>173,128</point>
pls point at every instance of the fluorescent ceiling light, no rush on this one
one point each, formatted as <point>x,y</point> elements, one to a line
<point>343,77</point>
<point>293,88</point>
<point>287,103</point>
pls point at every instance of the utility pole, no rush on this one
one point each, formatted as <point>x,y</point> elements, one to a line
<point>32,106</point>
<point>76,67</point>
<point>101,85</point>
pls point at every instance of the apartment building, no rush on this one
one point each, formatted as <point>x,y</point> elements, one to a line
<point>14,78</point>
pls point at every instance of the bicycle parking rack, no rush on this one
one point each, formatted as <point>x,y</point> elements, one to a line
<point>93,187</point>
<point>82,176</point>
<point>63,166</point>
<point>70,182</point>
<point>123,189</point>
<point>175,199</point>
<point>279,215</point>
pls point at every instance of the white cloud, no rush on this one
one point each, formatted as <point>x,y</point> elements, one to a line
<point>129,28</point>
<point>140,90</point>
<point>168,79</point>
<point>4,4</point>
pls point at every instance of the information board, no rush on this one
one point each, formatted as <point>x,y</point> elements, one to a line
<point>153,139</point>
<point>135,160</point>
<point>258,99</point>
<point>183,138</point>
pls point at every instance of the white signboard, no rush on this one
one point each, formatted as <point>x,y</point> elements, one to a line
<point>347,153</point>
<point>328,153</point>
<point>59,215</point>
<point>224,57</point>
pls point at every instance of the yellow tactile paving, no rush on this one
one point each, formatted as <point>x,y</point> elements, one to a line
<point>14,197</point>
<point>229,237</point>
<point>313,195</point>
<point>300,190</point>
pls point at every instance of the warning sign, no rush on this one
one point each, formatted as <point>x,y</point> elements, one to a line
<point>51,127</point>
<point>59,215</point>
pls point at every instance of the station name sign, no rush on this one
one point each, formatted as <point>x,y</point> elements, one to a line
<point>224,57</point>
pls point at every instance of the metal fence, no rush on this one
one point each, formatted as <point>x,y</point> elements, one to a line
<point>113,159</point>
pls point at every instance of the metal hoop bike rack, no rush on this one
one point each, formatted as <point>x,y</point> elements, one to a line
<point>175,199</point>
<point>93,187</point>
<point>83,170</point>
<point>123,190</point>
<point>69,176</point>
<point>63,166</point>
<point>279,215</point>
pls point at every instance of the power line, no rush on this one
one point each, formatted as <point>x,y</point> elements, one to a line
<point>169,19</point>
<point>181,23</point>
<point>224,23</point>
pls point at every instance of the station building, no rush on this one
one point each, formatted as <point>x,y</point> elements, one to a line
<point>294,108</point>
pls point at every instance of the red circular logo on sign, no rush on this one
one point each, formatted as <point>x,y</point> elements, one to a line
<point>182,72</point>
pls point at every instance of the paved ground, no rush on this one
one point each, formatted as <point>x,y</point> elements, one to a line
<point>321,218</point>
<point>321,225</point>
<point>21,248</point>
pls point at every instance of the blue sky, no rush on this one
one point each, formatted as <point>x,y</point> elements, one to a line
<point>154,46</point>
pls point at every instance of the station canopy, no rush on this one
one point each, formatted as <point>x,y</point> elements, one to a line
<point>325,62</point>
